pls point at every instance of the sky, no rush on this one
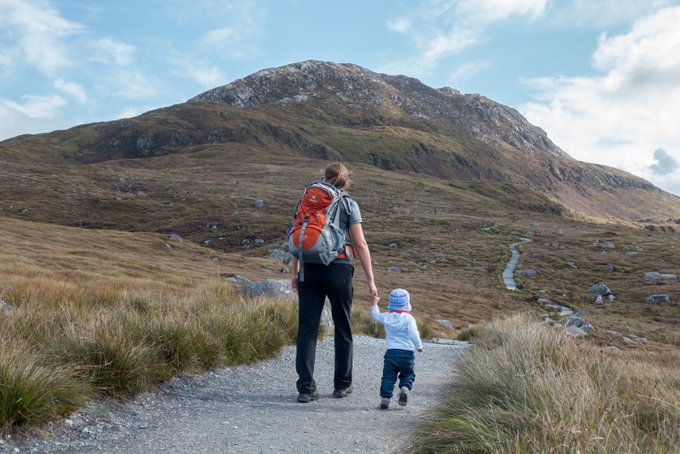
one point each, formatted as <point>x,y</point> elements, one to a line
<point>601,77</point>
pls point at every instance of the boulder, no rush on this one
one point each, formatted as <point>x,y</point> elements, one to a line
<point>655,276</point>
<point>393,245</point>
<point>528,273</point>
<point>5,308</point>
<point>259,203</point>
<point>285,257</point>
<point>271,288</point>
<point>446,324</point>
<point>609,268</point>
<point>176,237</point>
<point>600,289</point>
<point>579,323</point>
<point>658,299</point>
<point>575,331</point>
<point>236,279</point>
<point>543,301</point>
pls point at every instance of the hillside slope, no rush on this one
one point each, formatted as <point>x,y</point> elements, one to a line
<point>328,111</point>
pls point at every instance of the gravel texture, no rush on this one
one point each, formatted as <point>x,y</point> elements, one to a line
<point>253,409</point>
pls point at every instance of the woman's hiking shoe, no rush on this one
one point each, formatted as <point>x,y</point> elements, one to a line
<point>307,397</point>
<point>340,393</point>
<point>403,396</point>
<point>384,403</point>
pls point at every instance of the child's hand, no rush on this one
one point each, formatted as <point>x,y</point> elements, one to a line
<point>420,350</point>
<point>374,300</point>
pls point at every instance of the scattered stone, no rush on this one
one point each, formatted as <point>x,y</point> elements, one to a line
<point>552,307</point>
<point>629,341</point>
<point>255,215</point>
<point>631,254</point>
<point>543,301</point>
<point>580,313</point>
<point>554,245</point>
<point>598,300</point>
<point>655,276</point>
<point>566,311</point>
<point>614,332</point>
<point>208,243</point>
<point>285,270</point>
<point>637,339</point>
<point>604,245</point>
<point>446,324</point>
<point>25,211</point>
<point>528,273</point>
<point>571,265</point>
<point>394,269</point>
<point>168,247</point>
<point>613,348</point>
<point>579,323</point>
<point>259,203</point>
<point>236,279</point>
<point>658,299</point>
<point>467,325</point>
<point>246,242</point>
<point>393,245</point>
<point>285,257</point>
<point>600,289</point>
<point>575,331</point>
<point>609,268</point>
<point>272,288</point>
<point>259,241</point>
<point>540,292</point>
<point>176,237</point>
<point>5,308</point>
<point>481,269</point>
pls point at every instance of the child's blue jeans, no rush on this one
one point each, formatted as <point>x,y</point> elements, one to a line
<point>398,364</point>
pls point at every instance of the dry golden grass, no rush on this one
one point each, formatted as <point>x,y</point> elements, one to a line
<point>525,387</point>
<point>98,312</point>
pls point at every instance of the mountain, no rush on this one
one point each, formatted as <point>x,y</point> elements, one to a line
<point>449,179</point>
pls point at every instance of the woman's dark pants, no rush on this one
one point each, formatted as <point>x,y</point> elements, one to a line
<point>335,282</point>
<point>398,364</point>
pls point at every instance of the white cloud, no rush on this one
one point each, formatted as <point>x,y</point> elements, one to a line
<point>75,90</point>
<point>468,70</point>
<point>15,121</point>
<point>630,108</point>
<point>442,28</point>
<point>245,22</point>
<point>401,24</point>
<point>135,85</point>
<point>205,74</point>
<point>111,51</point>
<point>37,30</point>
<point>37,106</point>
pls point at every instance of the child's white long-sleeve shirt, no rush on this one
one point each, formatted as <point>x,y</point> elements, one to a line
<point>400,328</point>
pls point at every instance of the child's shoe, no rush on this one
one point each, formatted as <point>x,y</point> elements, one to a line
<point>403,396</point>
<point>384,403</point>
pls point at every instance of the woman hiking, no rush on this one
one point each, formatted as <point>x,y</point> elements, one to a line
<point>327,274</point>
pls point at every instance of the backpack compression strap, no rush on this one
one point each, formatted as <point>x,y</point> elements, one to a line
<point>302,236</point>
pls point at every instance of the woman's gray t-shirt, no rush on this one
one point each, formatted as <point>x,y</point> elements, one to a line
<point>349,215</point>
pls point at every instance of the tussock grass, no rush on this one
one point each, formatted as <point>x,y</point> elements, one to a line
<point>63,344</point>
<point>527,388</point>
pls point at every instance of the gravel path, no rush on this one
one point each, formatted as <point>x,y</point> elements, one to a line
<point>252,409</point>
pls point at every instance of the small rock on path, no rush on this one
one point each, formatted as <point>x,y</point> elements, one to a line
<point>252,409</point>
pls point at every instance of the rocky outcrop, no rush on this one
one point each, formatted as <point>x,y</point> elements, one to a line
<point>353,87</point>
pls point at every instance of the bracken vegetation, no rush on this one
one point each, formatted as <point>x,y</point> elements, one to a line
<point>526,388</point>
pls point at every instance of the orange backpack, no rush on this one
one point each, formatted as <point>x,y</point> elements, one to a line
<point>314,235</point>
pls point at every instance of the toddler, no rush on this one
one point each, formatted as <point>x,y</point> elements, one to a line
<point>402,341</point>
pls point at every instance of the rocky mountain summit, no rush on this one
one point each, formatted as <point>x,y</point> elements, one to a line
<point>351,87</point>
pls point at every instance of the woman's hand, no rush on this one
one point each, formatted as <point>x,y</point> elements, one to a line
<point>373,292</point>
